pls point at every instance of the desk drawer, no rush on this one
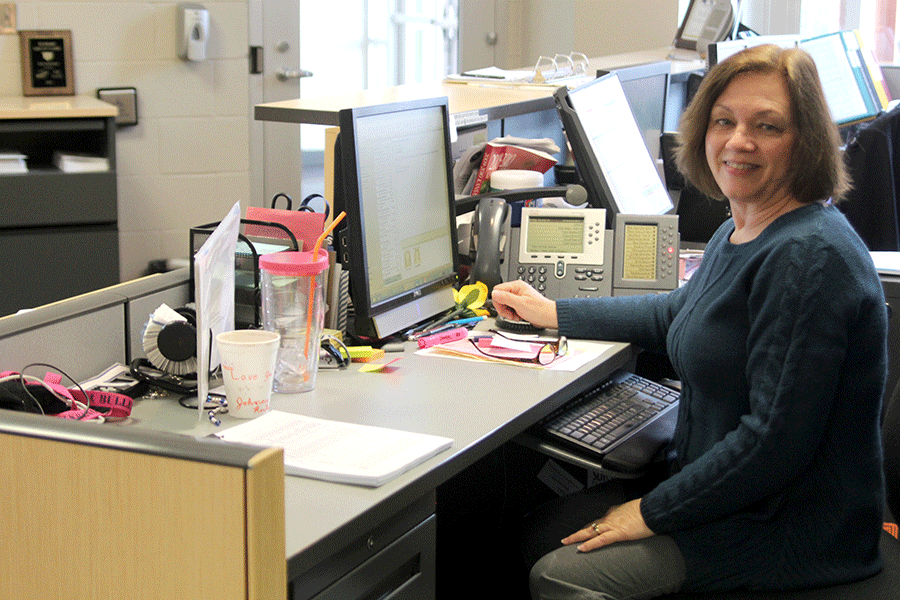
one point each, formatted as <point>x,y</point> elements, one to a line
<point>404,570</point>
<point>395,556</point>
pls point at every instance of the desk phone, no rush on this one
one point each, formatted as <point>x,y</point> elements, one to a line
<point>646,251</point>
<point>568,253</point>
<point>562,252</point>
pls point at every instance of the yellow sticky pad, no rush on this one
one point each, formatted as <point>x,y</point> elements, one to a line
<point>377,367</point>
<point>373,355</point>
<point>360,351</point>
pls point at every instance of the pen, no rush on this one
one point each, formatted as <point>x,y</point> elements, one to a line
<point>432,331</point>
<point>433,326</point>
<point>467,321</point>
<point>479,76</point>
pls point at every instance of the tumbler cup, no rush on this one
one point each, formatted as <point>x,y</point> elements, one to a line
<point>293,305</point>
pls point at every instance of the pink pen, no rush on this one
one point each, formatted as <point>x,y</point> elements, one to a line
<point>443,337</point>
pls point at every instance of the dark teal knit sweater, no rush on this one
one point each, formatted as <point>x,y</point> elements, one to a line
<point>780,344</point>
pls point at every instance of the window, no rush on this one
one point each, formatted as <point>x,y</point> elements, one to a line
<point>876,20</point>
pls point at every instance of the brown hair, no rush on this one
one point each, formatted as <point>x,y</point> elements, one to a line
<point>819,169</point>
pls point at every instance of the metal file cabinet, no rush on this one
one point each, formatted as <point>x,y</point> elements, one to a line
<point>59,232</point>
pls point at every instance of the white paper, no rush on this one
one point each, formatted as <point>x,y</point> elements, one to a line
<point>886,262</point>
<point>336,451</point>
<point>214,276</point>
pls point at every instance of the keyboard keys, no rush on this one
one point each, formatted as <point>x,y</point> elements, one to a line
<point>600,417</point>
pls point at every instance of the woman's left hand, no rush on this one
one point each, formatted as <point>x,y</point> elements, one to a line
<point>621,523</point>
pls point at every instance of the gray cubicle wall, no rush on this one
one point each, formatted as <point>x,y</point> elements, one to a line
<point>892,78</point>
<point>84,335</point>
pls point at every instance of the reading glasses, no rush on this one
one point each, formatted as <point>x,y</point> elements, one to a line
<point>548,352</point>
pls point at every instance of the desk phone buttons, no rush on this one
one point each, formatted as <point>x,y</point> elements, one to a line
<point>667,250</point>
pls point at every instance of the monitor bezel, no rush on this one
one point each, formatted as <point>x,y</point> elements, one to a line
<point>381,319</point>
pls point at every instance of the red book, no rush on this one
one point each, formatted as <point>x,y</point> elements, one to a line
<point>504,156</point>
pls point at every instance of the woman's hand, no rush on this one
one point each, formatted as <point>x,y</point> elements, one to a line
<point>518,301</point>
<point>621,523</point>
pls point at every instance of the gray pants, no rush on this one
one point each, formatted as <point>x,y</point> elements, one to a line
<point>629,570</point>
<point>640,569</point>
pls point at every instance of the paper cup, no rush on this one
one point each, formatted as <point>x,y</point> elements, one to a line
<point>248,369</point>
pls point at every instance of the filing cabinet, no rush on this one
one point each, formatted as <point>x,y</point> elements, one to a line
<point>59,234</point>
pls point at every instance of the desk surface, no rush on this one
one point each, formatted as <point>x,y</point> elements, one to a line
<point>56,107</point>
<point>437,395</point>
<point>491,100</point>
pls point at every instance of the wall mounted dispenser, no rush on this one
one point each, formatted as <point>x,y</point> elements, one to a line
<point>193,34</point>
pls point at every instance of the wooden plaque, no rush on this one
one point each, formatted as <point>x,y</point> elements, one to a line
<point>47,66</point>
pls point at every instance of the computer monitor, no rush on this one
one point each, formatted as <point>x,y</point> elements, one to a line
<point>399,241</point>
<point>610,156</point>
<point>646,87</point>
<point>705,22</point>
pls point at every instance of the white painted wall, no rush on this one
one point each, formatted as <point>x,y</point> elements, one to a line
<point>187,161</point>
<point>597,27</point>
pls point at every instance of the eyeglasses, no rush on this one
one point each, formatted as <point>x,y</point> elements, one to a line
<point>545,351</point>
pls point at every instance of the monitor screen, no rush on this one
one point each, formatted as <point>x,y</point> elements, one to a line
<point>693,24</point>
<point>610,155</point>
<point>399,241</point>
<point>646,87</point>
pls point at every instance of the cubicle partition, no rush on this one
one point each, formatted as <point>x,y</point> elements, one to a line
<point>107,513</point>
<point>84,335</point>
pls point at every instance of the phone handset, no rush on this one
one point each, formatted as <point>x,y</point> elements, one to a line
<point>488,240</point>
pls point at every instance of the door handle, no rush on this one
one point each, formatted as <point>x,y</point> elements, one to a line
<point>284,74</point>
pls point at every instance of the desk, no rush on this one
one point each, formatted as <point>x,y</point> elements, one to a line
<point>490,101</point>
<point>326,522</point>
<point>335,535</point>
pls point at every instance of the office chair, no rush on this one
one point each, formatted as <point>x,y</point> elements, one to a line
<point>873,204</point>
<point>698,215</point>
<point>883,586</point>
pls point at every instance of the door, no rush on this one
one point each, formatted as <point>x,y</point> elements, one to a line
<point>275,154</point>
<point>478,35</point>
<point>378,43</point>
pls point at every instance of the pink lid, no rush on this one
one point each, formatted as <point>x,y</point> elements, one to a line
<point>294,263</point>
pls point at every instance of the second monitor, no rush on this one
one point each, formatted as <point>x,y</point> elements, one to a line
<point>610,154</point>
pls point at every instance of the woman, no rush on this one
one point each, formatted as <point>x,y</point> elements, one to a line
<point>780,343</point>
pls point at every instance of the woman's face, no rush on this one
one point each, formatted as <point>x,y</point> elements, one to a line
<point>750,139</point>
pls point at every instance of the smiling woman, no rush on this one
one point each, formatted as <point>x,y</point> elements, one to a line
<point>800,107</point>
<point>786,295</point>
<point>749,144</point>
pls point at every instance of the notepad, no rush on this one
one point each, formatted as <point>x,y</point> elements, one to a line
<point>337,451</point>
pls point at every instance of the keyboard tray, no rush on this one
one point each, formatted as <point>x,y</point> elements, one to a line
<point>621,424</point>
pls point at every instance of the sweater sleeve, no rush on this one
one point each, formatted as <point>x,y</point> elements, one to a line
<point>803,304</point>
<point>642,320</point>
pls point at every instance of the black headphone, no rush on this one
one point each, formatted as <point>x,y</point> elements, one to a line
<point>143,370</point>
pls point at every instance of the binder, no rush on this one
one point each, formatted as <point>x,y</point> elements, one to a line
<point>845,78</point>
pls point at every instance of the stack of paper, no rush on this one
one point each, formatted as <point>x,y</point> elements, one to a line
<point>336,451</point>
<point>12,162</point>
<point>80,163</point>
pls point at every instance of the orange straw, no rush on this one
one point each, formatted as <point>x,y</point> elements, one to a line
<point>312,285</point>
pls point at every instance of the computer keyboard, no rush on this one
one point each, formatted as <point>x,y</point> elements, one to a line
<point>601,418</point>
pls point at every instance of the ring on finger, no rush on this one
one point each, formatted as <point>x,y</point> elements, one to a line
<point>595,527</point>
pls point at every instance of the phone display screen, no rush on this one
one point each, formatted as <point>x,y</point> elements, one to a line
<point>555,235</point>
<point>640,247</point>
